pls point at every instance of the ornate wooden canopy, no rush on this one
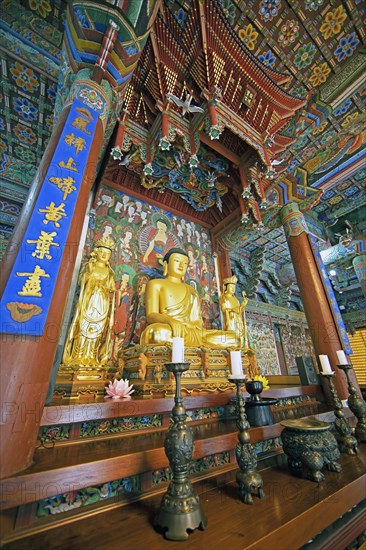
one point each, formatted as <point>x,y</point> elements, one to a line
<point>202,118</point>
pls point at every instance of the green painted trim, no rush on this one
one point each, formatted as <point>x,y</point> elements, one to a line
<point>342,80</point>
<point>276,311</point>
<point>358,318</point>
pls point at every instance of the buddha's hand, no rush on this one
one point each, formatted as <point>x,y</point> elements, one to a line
<point>177,327</point>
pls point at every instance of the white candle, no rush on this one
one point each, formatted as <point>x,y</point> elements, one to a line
<point>236,364</point>
<point>342,359</point>
<point>326,366</point>
<point>177,350</point>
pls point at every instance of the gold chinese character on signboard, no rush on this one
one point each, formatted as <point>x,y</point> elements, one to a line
<point>43,244</point>
<point>78,142</point>
<point>81,122</point>
<point>69,139</point>
<point>69,165</point>
<point>53,213</point>
<point>65,184</point>
<point>32,286</point>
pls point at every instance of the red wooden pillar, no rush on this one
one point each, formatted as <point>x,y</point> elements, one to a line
<point>26,360</point>
<point>223,261</point>
<point>317,306</point>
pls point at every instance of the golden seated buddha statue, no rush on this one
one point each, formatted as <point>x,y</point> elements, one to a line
<point>173,309</point>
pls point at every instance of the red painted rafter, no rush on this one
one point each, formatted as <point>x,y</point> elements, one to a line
<point>222,36</point>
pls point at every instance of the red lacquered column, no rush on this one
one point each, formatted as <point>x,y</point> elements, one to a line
<point>318,309</point>
<point>26,360</point>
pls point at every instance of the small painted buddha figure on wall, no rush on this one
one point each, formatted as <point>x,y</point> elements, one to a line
<point>89,341</point>
<point>173,309</point>
<point>234,311</point>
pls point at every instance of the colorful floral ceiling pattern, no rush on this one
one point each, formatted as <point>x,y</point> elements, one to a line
<point>312,41</point>
<point>30,39</point>
<point>305,39</point>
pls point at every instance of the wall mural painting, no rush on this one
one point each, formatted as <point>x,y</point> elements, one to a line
<point>261,338</point>
<point>296,343</point>
<point>143,234</point>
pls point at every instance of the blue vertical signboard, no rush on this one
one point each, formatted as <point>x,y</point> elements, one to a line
<point>28,294</point>
<point>336,311</point>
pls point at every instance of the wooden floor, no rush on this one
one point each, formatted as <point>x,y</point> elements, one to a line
<point>293,512</point>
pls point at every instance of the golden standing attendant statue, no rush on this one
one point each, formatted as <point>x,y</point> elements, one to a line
<point>173,309</point>
<point>234,311</point>
<point>89,341</point>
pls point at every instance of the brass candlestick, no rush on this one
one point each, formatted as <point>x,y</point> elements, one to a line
<point>247,477</point>
<point>357,405</point>
<point>180,507</point>
<point>343,432</point>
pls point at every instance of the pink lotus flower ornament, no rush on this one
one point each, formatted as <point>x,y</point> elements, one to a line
<point>119,388</point>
